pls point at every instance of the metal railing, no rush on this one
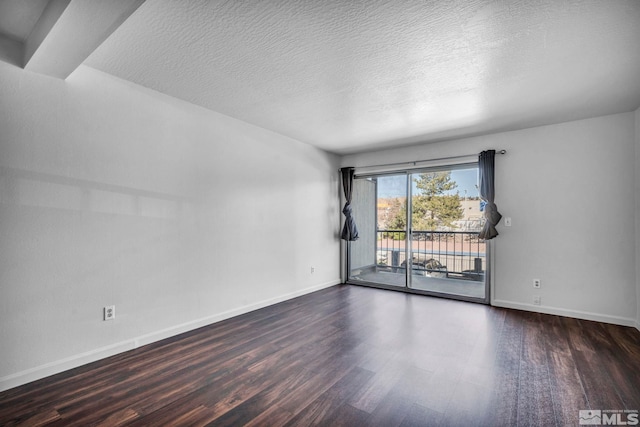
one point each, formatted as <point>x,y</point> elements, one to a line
<point>445,254</point>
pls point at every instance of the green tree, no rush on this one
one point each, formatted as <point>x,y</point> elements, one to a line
<point>433,207</point>
<point>395,218</point>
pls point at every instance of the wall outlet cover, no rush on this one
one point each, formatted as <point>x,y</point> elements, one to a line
<point>110,312</point>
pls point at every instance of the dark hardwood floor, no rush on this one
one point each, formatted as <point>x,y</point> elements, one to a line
<point>352,356</point>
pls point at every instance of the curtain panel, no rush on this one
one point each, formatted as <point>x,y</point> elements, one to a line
<point>486,168</point>
<point>349,231</point>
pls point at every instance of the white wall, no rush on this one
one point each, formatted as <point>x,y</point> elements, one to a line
<point>114,194</point>
<point>637,192</point>
<point>569,189</point>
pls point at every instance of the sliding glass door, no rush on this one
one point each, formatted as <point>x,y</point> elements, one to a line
<point>380,255</point>
<point>419,232</point>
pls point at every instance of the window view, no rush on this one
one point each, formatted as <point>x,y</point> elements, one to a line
<point>442,252</point>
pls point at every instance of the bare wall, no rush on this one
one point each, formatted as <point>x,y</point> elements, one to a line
<point>637,193</point>
<point>114,194</point>
<point>569,189</point>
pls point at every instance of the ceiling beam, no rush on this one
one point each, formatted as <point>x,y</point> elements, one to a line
<point>68,31</point>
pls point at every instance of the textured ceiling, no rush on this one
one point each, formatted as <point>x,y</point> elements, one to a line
<point>350,76</point>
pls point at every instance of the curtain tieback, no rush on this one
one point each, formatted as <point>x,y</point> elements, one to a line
<point>491,213</point>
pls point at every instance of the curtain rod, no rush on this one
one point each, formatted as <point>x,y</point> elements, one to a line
<point>414,163</point>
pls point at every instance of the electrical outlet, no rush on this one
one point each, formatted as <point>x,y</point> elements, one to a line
<point>536,283</point>
<point>537,300</point>
<point>110,312</point>
<point>507,221</point>
<point>313,270</point>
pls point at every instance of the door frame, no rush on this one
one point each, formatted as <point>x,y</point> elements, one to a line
<point>407,288</point>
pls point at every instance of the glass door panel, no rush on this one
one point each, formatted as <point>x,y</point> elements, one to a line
<point>380,257</point>
<point>447,256</point>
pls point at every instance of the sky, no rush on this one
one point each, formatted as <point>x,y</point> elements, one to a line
<point>395,185</point>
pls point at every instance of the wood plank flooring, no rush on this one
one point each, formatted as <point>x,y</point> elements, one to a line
<point>352,356</point>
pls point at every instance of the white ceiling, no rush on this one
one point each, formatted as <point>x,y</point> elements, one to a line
<point>18,17</point>
<point>349,76</point>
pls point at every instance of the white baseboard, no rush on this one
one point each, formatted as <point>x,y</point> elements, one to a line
<point>605,318</point>
<point>55,367</point>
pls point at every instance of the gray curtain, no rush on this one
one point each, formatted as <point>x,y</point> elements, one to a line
<point>349,231</point>
<point>486,165</point>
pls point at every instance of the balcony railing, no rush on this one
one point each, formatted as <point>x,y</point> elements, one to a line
<point>447,254</point>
